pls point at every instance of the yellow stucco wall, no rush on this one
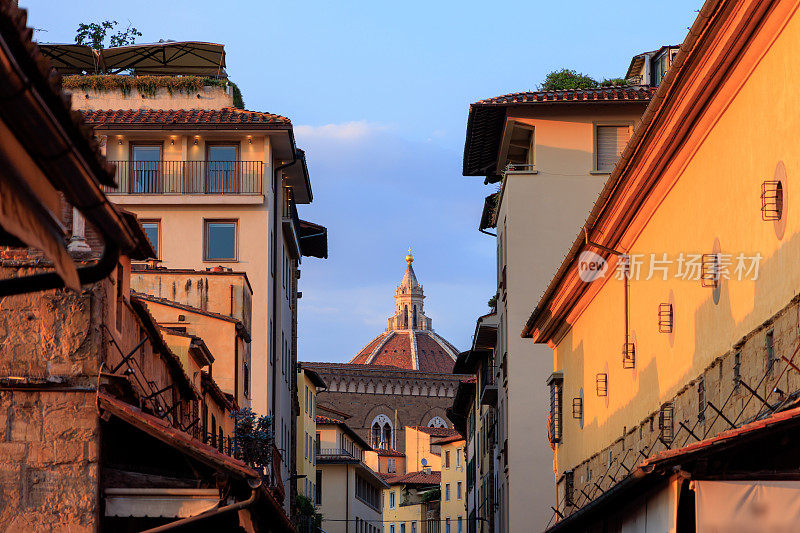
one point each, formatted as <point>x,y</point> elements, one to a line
<point>418,447</point>
<point>306,426</point>
<point>716,199</point>
<point>454,475</point>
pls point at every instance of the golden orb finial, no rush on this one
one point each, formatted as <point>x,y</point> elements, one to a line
<point>409,257</point>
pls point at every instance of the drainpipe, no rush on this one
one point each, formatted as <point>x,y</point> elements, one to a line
<point>213,513</point>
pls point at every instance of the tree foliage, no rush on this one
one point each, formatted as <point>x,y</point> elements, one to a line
<point>566,79</point>
<point>94,34</point>
<point>308,514</point>
<point>252,438</point>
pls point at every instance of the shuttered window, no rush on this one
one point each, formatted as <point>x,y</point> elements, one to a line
<point>610,141</point>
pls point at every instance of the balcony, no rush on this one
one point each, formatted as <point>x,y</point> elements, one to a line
<point>188,177</point>
<point>488,391</point>
<point>291,221</point>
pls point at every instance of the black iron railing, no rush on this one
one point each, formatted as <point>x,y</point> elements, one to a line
<point>188,177</point>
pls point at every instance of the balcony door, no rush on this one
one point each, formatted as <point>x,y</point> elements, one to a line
<point>222,168</point>
<point>146,163</point>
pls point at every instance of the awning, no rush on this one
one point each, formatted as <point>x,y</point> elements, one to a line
<point>161,430</point>
<point>167,58</point>
<point>313,240</point>
<point>747,506</point>
<point>159,502</point>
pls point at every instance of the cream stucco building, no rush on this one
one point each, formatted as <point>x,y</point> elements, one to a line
<point>550,153</point>
<point>217,187</point>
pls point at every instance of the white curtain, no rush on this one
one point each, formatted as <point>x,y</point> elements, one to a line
<point>747,506</point>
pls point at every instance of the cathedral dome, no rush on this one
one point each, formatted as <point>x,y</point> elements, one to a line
<point>409,341</point>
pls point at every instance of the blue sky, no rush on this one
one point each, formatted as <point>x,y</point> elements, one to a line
<point>379,95</point>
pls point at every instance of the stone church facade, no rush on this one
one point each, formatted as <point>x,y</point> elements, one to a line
<point>403,377</point>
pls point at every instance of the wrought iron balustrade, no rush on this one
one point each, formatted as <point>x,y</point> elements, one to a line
<point>187,177</point>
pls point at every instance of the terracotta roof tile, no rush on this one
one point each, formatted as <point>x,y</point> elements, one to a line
<point>395,352</point>
<point>599,94</point>
<point>432,356</point>
<point>448,440</point>
<point>438,432</point>
<point>389,452</point>
<point>227,115</point>
<point>416,478</point>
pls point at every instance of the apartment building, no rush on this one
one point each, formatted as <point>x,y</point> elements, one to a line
<point>474,415</point>
<point>549,153</point>
<point>215,186</point>
<point>674,396</point>
<point>411,503</point>
<point>453,484</point>
<point>348,491</point>
<point>308,384</point>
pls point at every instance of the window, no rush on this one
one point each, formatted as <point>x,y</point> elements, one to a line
<point>319,487</point>
<point>220,241</point>
<point>152,230</point>
<point>520,146</point>
<point>391,500</point>
<point>403,527</point>
<point>556,382</point>
<point>458,490</point>
<point>307,400</point>
<point>460,524</point>
<point>392,466</point>
<point>246,378</point>
<point>447,459</point>
<point>146,167</point>
<point>458,458</point>
<point>770,345</point>
<point>701,400</point>
<point>367,493</point>
<point>222,167</point>
<point>447,492</point>
<point>391,528</point>
<point>610,141</point>
<point>447,525</point>
<point>413,527</point>
<point>120,296</point>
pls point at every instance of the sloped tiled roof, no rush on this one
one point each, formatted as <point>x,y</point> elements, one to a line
<point>438,432</point>
<point>448,440</point>
<point>177,117</point>
<point>487,117</point>
<point>599,94</point>
<point>416,478</point>
<point>389,452</point>
<point>365,352</point>
<point>432,355</point>
<point>395,352</point>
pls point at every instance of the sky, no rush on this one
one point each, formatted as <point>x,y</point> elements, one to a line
<point>379,94</point>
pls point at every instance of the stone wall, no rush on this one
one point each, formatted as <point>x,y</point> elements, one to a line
<point>782,383</point>
<point>49,428</point>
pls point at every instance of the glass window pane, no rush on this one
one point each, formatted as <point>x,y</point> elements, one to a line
<point>220,240</point>
<point>146,169</point>
<point>222,167</point>
<point>151,230</point>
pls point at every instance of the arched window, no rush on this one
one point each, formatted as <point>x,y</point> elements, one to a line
<point>415,318</point>
<point>381,431</point>
<point>405,317</point>
<point>376,435</point>
<point>437,422</point>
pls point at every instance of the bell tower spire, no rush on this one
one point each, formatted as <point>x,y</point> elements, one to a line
<point>409,298</point>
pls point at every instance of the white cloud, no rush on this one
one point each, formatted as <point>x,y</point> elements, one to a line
<point>346,131</point>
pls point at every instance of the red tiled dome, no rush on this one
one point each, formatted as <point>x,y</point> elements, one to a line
<point>427,352</point>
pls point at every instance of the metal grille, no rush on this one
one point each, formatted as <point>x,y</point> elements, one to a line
<point>771,200</point>
<point>601,382</point>
<point>569,487</point>
<point>629,355</point>
<point>701,400</point>
<point>709,275</point>
<point>555,411</point>
<point>665,318</point>
<point>665,422</point>
<point>577,408</point>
